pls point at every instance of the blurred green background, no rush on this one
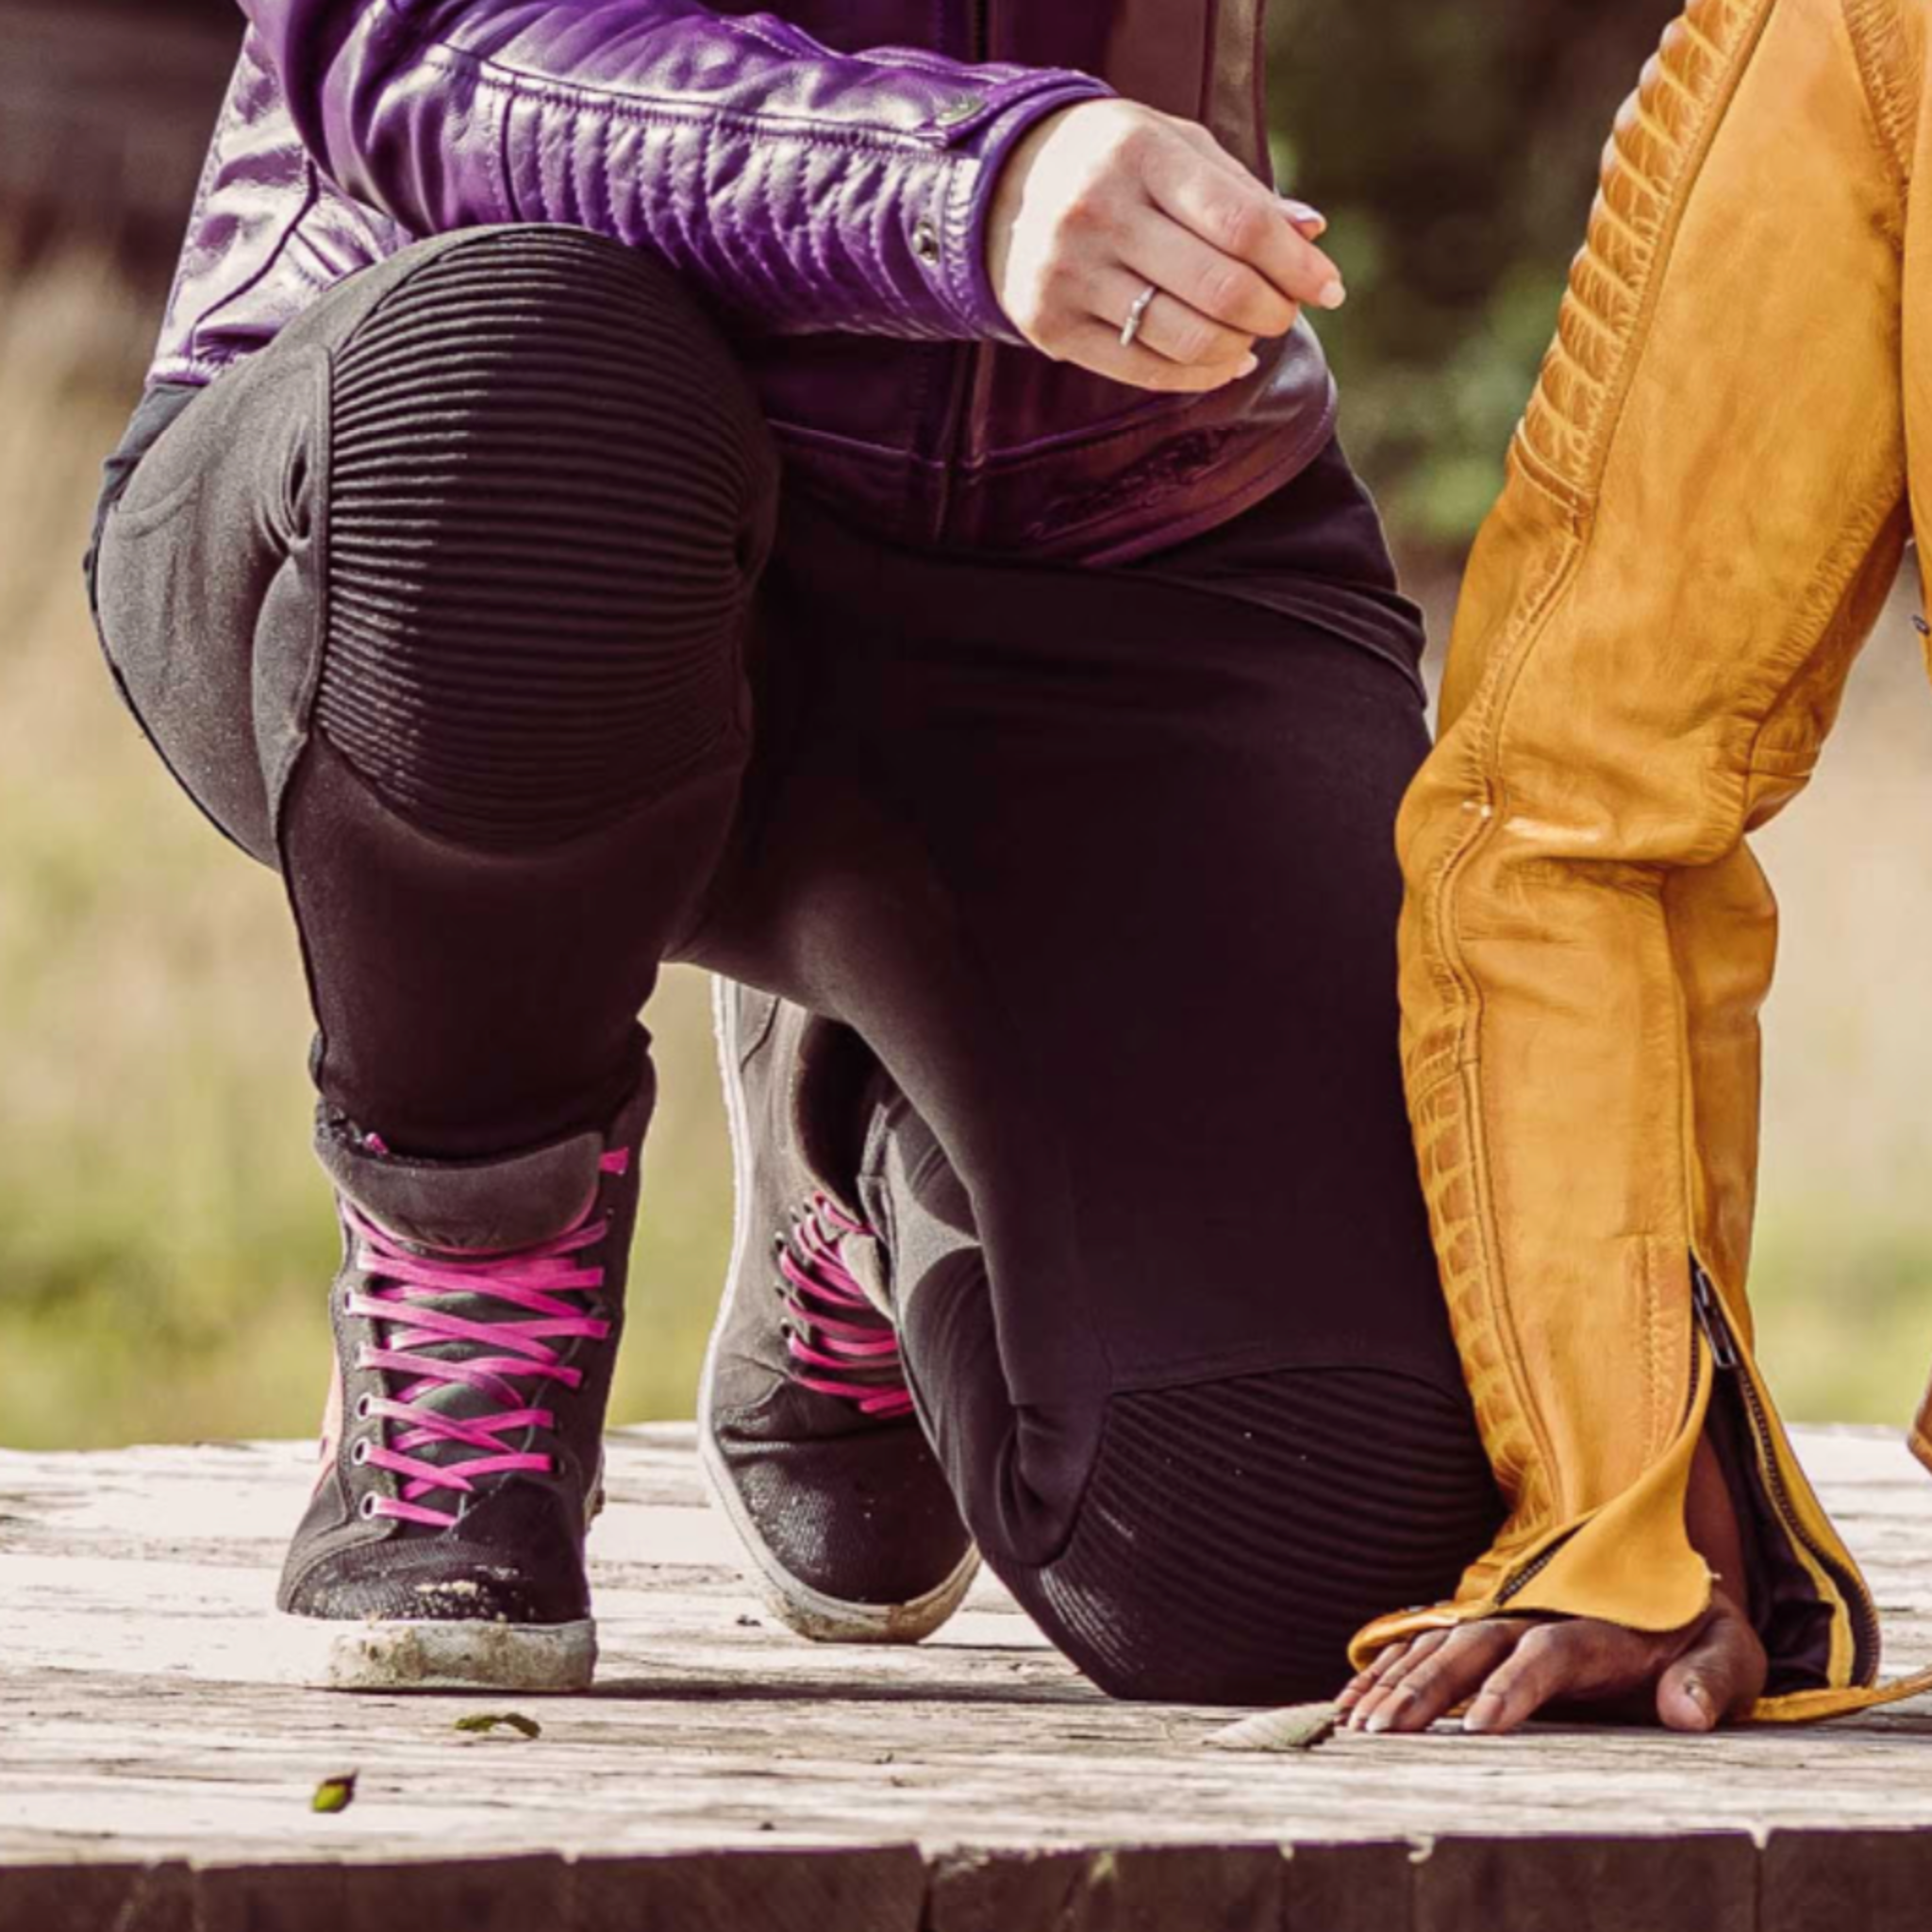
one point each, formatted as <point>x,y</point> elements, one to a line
<point>164,1238</point>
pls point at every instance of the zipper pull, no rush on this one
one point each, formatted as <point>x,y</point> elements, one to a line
<point>1710,1317</point>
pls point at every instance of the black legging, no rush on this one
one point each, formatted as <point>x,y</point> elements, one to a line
<point>472,604</point>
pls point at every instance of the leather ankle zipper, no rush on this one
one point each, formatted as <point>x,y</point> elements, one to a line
<point>1724,1354</point>
<point>1725,1357</point>
<point>1711,1318</point>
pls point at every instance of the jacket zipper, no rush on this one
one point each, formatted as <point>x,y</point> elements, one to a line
<point>1710,1318</point>
<point>1715,1328</point>
<point>972,365</point>
<point>1518,1579</point>
<point>1723,1347</point>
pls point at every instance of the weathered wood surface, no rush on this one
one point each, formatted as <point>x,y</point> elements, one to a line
<point>156,1766</point>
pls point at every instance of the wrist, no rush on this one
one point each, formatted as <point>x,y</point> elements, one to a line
<point>990,194</point>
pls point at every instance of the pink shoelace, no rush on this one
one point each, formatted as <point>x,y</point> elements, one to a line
<point>539,1281</point>
<point>862,1354</point>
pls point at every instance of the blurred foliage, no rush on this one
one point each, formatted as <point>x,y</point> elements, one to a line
<point>1454,150</point>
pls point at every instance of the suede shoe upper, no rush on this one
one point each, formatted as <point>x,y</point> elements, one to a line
<point>477,1317</point>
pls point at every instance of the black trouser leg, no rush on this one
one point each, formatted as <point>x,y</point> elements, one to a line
<point>438,603</point>
<point>1232,1533</point>
<point>1102,870</point>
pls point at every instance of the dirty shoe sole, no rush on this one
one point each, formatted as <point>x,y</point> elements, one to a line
<point>809,1613</point>
<point>422,1655</point>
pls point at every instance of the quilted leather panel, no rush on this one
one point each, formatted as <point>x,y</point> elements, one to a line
<point>1654,145</point>
<point>1443,1123</point>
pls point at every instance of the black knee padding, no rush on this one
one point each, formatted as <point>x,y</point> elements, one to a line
<point>549,492</point>
<point>1235,1535</point>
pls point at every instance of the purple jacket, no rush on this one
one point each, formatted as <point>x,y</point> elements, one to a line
<point>824,181</point>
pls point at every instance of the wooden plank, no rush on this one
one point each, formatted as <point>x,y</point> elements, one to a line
<point>1696,1883</point>
<point>1128,1889</point>
<point>880,1891</point>
<point>1352,1888</point>
<point>1829,1881</point>
<point>106,1897</point>
<point>271,1898</point>
<point>146,1720</point>
<point>484,1895</point>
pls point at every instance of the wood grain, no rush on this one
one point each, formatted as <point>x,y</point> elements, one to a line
<point>157,1760</point>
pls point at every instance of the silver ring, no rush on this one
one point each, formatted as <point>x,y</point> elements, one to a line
<point>1136,315</point>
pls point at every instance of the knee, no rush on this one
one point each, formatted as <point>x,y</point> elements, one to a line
<point>555,348</point>
<point>549,493</point>
<point>1235,1535</point>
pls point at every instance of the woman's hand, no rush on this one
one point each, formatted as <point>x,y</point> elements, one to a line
<point>1106,197</point>
<point>1688,1680</point>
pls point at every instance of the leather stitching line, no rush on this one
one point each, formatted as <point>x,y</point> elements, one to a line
<point>1876,42</point>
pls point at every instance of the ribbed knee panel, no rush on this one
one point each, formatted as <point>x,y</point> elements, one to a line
<point>550,491</point>
<point>1235,1535</point>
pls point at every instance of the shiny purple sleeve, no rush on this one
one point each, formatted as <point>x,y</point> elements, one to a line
<point>800,188</point>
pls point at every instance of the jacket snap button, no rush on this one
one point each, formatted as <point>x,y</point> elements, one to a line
<point>961,108</point>
<point>926,241</point>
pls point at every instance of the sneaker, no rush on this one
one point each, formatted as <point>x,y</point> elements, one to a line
<point>806,1426</point>
<point>477,1318</point>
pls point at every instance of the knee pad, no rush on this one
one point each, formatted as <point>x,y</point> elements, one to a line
<point>550,491</point>
<point>1235,1535</point>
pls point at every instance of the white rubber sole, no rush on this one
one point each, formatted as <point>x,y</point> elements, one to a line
<point>328,1654</point>
<point>807,1612</point>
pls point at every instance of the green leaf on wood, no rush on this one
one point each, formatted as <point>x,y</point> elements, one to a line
<point>505,1720</point>
<point>334,1793</point>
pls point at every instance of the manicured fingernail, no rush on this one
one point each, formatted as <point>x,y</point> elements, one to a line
<point>1380,1722</point>
<point>1302,213</point>
<point>1249,364</point>
<point>1475,1718</point>
<point>1333,296</point>
<point>1695,1690</point>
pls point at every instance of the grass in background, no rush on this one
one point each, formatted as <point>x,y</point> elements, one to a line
<point>165,1237</point>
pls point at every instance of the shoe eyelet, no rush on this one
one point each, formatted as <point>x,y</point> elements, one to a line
<point>367,1510</point>
<point>362,1403</point>
<point>360,1455</point>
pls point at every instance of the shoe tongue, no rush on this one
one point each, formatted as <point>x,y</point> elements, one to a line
<point>467,1206</point>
